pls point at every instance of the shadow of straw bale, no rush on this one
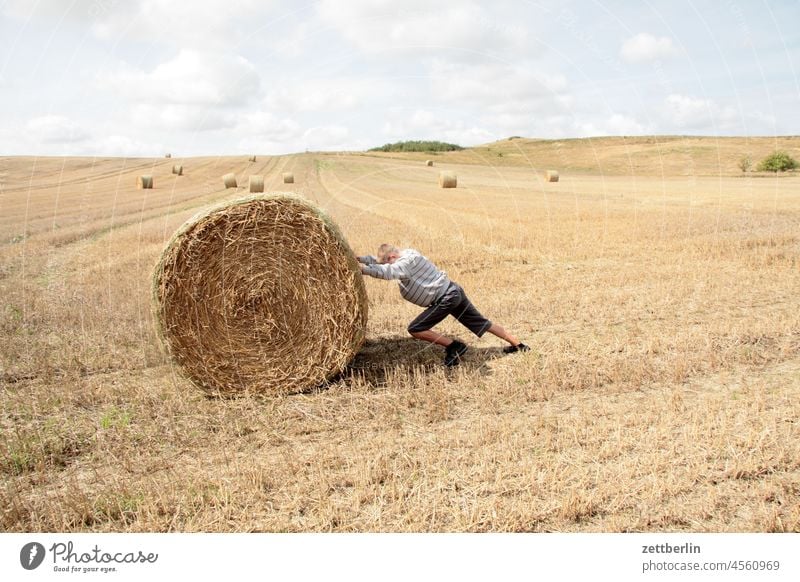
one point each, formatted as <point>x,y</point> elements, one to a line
<point>381,359</point>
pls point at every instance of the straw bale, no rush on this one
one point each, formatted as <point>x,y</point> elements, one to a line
<point>256,183</point>
<point>447,180</point>
<point>177,169</point>
<point>552,176</point>
<point>252,159</point>
<point>229,180</point>
<point>428,162</point>
<point>168,155</point>
<point>259,295</point>
<point>144,182</point>
<point>288,178</point>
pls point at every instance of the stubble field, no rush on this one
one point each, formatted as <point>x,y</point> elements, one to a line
<point>657,286</point>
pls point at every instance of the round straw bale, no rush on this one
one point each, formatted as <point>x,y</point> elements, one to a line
<point>168,155</point>
<point>144,182</point>
<point>256,183</point>
<point>177,169</point>
<point>447,180</point>
<point>552,176</point>
<point>229,180</point>
<point>288,178</point>
<point>252,159</point>
<point>260,295</point>
<point>428,162</point>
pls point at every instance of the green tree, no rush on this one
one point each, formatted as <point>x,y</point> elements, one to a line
<point>418,146</point>
<point>777,162</point>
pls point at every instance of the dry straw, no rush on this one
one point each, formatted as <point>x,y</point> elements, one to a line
<point>260,295</point>
<point>288,178</point>
<point>177,169</point>
<point>256,184</point>
<point>144,182</point>
<point>447,180</point>
<point>428,162</point>
<point>552,176</point>
<point>229,180</point>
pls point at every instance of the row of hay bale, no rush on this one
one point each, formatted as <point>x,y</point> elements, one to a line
<point>145,181</point>
<point>250,159</point>
<point>256,182</point>
<point>448,179</point>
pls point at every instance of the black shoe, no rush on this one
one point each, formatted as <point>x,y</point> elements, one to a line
<point>520,347</point>
<point>453,353</point>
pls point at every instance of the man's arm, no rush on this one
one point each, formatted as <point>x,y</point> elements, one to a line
<point>400,269</point>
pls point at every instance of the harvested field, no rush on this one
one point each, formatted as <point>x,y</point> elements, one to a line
<point>656,285</point>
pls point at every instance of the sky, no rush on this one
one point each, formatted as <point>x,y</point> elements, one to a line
<point>230,77</point>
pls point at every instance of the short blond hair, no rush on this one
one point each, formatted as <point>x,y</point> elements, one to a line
<point>384,250</point>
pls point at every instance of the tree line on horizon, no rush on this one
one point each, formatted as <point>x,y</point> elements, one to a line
<point>418,146</point>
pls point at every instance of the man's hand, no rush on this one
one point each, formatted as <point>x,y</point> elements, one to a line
<point>363,268</point>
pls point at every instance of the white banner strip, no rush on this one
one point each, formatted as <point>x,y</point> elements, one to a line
<point>400,557</point>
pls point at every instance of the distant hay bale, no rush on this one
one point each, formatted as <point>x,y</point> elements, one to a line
<point>428,162</point>
<point>552,176</point>
<point>252,159</point>
<point>168,155</point>
<point>256,184</point>
<point>177,169</point>
<point>259,295</point>
<point>447,180</point>
<point>144,182</point>
<point>229,180</point>
<point>288,178</point>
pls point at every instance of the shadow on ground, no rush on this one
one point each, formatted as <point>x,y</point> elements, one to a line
<point>382,358</point>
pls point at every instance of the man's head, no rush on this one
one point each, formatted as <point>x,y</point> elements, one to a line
<point>388,253</point>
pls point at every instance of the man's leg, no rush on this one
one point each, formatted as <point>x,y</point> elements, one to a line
<point>501,332</point>
<point>432,336</point>
<point>470,317</point>
<point>420,328</point>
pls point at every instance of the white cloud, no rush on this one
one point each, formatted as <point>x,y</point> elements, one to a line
<point>181,117</point>
<point>200,24</point>
<point>426,124</point>
<point>616,124</point>
<point>60,136</point>
<point>56,129</point>
<point>51,9</point>
<point>269,128</point>
<point>645,47</point>
<point>263,132</point>
<point>500,87</point>
<point>121,145</point>
<point>191,78</point>
<point>414,25</point>
<point>327,137</point>
<point>320,95</point>
<point>694,113</point>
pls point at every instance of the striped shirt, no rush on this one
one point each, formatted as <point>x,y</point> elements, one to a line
<point>421,282</point>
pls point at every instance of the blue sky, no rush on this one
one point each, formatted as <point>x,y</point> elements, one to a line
<point>208,77</point>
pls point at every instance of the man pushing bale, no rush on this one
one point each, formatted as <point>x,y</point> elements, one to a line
<point>423,284</point>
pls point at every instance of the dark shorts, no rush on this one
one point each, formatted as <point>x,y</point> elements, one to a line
<point>456,303</point>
